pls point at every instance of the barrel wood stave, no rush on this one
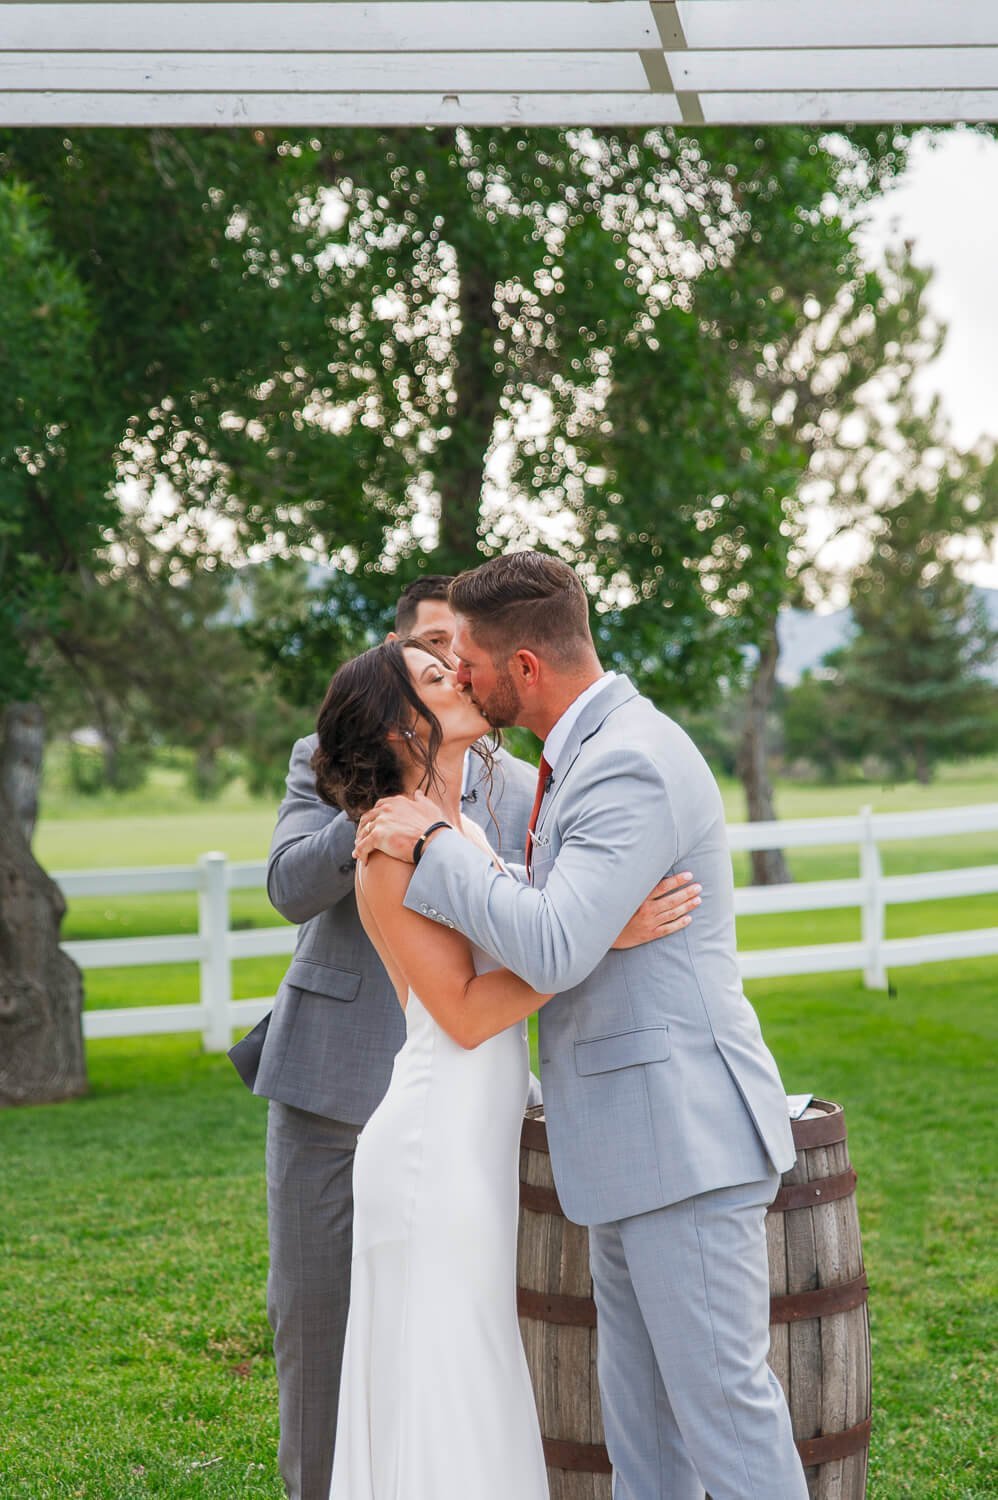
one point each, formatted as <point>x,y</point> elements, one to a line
<point>822,1361</point>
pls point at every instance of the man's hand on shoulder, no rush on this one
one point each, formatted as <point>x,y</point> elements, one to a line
<point>666,910</point>
<point>394,825</point>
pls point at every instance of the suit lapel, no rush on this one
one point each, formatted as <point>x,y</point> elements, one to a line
<point>590,721</point>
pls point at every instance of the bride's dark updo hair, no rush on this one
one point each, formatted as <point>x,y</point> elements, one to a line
<point>368,699</point>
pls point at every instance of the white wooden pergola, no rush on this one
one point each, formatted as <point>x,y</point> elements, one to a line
<point>499,62</point>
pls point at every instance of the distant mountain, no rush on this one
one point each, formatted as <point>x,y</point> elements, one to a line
<point>806,638</point>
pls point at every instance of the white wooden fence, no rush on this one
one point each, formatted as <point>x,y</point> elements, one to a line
<point>215,945</point>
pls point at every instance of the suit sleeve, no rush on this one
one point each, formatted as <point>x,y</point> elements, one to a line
<point>619,838</point>
<point>310,866</point>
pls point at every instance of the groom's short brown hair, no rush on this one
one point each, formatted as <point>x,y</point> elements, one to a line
<point>525,600</point>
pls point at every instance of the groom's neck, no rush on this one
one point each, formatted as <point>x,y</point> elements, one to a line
<point>559,692</point>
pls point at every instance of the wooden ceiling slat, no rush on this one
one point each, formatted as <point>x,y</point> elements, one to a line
<point>509,72</point>
<point>414,110</point>
<point>725,24</point>
<point>492,25</point>
<point>342,26</point>
<point>81,109</point>
<point>840,70</point>
<point>928,106</point>
<point>330,72</point>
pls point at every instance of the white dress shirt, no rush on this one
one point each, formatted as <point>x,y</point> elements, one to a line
<point>559,733</point>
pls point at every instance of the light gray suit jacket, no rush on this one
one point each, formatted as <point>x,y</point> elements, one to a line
<point>657,1083</point>
<point>337,1024</point>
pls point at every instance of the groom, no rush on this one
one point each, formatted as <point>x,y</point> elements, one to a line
<point>666,1117</point>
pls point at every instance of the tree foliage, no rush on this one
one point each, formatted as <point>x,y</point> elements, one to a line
<point>406,349</point>
<point>51,480</point>
<point>912,687</point>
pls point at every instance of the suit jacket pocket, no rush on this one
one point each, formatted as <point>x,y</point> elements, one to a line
<point>624,1049</point>
<point>323,979</point>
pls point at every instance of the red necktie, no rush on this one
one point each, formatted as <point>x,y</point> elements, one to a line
<point>543,776</point>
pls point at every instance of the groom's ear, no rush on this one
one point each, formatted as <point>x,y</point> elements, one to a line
<point>525,668</point>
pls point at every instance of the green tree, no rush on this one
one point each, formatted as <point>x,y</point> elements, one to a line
<point>400,349</point>
<point>820,724</point>
<point>916,669</point>
<point>415,348</point>
<point>50,509</point>
<point>147,652</point>
<point>853,348</point>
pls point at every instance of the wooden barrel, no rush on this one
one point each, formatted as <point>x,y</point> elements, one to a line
<point>820,1342</point>
<point>819,1321</point>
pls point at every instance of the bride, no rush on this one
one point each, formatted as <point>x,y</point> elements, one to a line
<point>435,1395</point>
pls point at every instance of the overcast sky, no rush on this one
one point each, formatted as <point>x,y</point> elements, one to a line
<point>947,205</point>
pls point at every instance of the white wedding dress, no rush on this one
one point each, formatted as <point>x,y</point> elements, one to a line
<point>435,1396</point>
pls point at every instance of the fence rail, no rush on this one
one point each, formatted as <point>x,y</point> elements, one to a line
<point>216,946</point>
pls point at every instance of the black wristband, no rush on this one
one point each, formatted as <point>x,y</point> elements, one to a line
<point>417,848</point>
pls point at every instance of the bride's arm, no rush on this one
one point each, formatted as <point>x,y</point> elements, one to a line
<point>436,962</point>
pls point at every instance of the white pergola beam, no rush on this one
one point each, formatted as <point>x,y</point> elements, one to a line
<point>332,26</point>
<point>842,70</point>
<point>267,109</point>
<point>929,107</point>
<point>725,24</point>
<point>330,72</point>
<point>264,109</point>
<point>557,62</point>
<point>703,73</point>
<point>507,25</point>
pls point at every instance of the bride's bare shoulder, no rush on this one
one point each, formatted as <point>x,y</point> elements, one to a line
<point>382,878</point>
<point>472,832</point>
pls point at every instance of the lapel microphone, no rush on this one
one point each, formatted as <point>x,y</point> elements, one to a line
<point>471,796</point>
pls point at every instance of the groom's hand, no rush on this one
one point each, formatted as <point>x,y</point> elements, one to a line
<point>394,824</point>
<point>667,910</point>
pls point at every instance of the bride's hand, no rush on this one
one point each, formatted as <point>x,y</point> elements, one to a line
<point>394,824</point>
<point>666,910</point>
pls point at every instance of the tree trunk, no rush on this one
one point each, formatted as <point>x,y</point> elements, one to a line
<point>478,386</point>
<point>41,990</point>
<point>923,766</point>
<point>769,866</point>
<point>22,741</point>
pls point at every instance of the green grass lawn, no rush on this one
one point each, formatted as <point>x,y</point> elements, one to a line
<point>136,1355</point>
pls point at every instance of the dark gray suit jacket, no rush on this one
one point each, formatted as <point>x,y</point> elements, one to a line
<point>337,1024</point>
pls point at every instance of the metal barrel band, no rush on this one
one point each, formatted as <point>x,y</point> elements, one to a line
<point>579,1458</point>
<point>556,1307</point>
<point>834,1445</point>
<point>534,1135</point>
<point>821,1303</point>
<point>543,1200</point>
<point>824,1129</point>
<point>813,1194</point>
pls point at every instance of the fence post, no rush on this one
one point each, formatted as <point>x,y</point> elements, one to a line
<point>216,973</point>
<point>871,871</point>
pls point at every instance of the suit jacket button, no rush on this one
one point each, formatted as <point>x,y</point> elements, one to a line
<point>347,868</point>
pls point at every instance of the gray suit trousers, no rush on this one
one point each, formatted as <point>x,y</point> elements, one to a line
<point>689,1403</point>
<point>310,1219</point>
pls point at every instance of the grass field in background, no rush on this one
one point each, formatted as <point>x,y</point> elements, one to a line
<point>162,825</point>
<point>136,1352</point>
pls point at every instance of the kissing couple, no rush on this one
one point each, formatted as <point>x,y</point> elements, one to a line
<point>666,1117</point>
